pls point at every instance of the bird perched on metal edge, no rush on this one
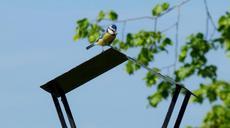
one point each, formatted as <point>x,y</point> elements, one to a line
<point>106,38</point>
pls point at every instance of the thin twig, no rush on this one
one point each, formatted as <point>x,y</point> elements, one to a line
<point>168,28</point>
<point>209,17</point>
<point>167,67</point>
<point>153,17</point>
<point>155,25</point>
<point>123,31</point>
<point>174,7</point>
<point>207,20</point>
<point>135,18</point>
<point>177,38</point>
<point>213,34</point>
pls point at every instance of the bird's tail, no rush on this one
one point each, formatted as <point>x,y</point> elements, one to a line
<point>90,46</point>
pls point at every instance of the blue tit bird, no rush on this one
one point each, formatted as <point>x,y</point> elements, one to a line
<point>107,38</point>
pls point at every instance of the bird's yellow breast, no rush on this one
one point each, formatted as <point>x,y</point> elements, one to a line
<point>107,39</point>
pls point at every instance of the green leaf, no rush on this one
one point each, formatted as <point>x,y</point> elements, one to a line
<point>100,16</point>
<point>93,32</point>
<point>208,72</point>
<point>183,53</point>
<point>184,72</point>
<point>159,9</point>
<point>199,93</point>
<point>165,6</point>
<point>163,89</point>
<point>150,79</point>
<point>112,15</point>
<point>224,21</point>
<point>129,39</point>
<point>227,44</point>
<point>129,67</point>
<point>76,37</point>
<point>167,41</point>
<point>155,99</point>
<point>83,23</point>
<point>81,29</point>
<point>93,38</point>
<point>224,29</point>
<point>211,94</point>
<point>145,56</point>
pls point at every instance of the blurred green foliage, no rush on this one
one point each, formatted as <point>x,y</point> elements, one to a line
<point>192,58</point>
<point>159,9</point>
<point>224,29</point>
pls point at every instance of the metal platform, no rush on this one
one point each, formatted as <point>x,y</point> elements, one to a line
<point>78,76</point>
<point>85,72</point>
<point>94,67</point>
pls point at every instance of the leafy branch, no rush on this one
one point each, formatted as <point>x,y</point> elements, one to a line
<point>191,57</point>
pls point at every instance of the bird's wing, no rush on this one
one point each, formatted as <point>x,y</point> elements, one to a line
<point>101,36</point>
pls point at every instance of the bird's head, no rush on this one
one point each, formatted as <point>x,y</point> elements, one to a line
<point>112,29</point>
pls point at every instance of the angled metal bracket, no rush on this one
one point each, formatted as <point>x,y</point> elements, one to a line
<point>182,109</point>
<point>66,107</point>
<point>59,111</point>
<point>172,105</point>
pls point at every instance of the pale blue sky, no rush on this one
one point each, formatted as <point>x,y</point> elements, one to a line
<point>36,46</point>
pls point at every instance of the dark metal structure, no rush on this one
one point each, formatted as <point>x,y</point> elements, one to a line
<point>79,75</point>
<point>89,70</point>
<point>172,105</point>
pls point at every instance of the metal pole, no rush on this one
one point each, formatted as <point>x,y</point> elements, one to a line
<point>68,111</point>
<point>59,111</point>
<point>171,107</point>
<point>182,109</point>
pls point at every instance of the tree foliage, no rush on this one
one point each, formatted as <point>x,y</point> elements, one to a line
<point>192,58</point>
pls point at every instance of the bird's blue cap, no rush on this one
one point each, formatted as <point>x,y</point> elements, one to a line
<point>113,27</point>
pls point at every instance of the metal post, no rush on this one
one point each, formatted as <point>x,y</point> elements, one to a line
<point>67,109</point>
<point>59,111</point>
<point>182,109</point>
<point>171,107</point>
